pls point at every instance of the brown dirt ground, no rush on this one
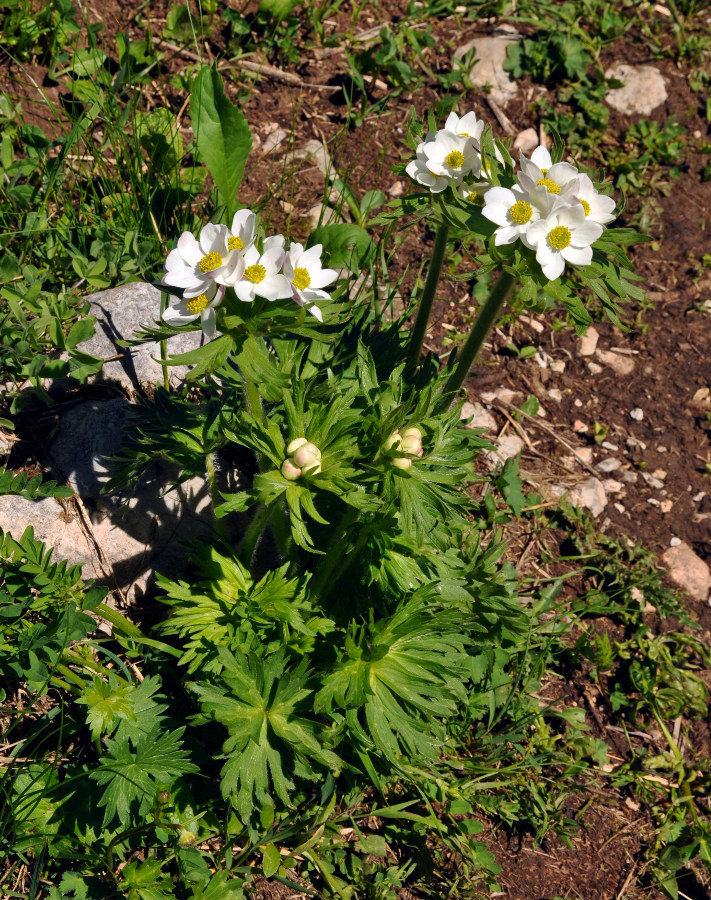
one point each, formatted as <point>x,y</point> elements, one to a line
<point>669,345</point>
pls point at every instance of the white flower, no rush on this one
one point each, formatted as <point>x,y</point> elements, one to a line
<point>543,172</point>
<point>203,306</point>
<point>514,211</point>
<point>452,156</point>
<point>563,236</point>
<point>598,207</point>
<point>418,169</point>
<point>306,275</point>
<point>466,125</point>
<point>256,274</point>
<point>190,265</point>
<point>242,231</point>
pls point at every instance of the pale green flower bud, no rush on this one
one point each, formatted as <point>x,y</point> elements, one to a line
<point>402,462</point>
<point>393,441</point>
<point>412,441</point>
<point>295,444</point>
<point>306,456</point>
<point>289,470</point>
<point>187,838</point>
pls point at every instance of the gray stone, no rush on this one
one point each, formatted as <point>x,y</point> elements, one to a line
<point>508,446</point>
<point>590,495</point>
<point>620,363</point>
<point>526,141</point>
<point>474,415</point>
<point>120,313</point>
<point>488,69</point>
<point>643,90</point>
<point>315,153</point>
<point>637,414</point>
<point>609,465</point>
<point>688,570</point>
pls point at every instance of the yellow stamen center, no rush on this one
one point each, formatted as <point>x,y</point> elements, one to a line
<point>544,172</point>
<point>521,212</point>
<point>455,159</point>
<point>549,185</point>
<point>255,273</point>
<point>475,197</point>
<point>559,237</point>
<point>197,304</point>
<point>301,279</point>
<point>585,205</point>
<point>211,261</point>
<point>235,243</point>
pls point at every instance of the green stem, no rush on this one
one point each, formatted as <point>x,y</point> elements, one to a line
<point>253,533</point>
<point>483,325</point>
<point>164,344</point>
<point>214,493</point>
<point>417,335</point>
<point>127,629</point>
<point>334,563</point>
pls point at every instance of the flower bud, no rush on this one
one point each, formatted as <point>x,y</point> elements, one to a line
<point>289,470</point>
<point>306,455</point>
<point>163,797</point>
<point>295,444</point>
<point>412,441</point>
<point>392,441</point>
<point>402,462</point>
<point>186,838</point>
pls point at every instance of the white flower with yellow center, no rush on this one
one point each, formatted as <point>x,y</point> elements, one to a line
<point>258,274</point>
<point>544,173</point>
<point>513,210</point>
<point>191,264</point>
<point>307,277</point>
<point>466,126</point>
<point>203,307</point>
<point>452,156</point>
<point>598,207</point>
<point>418,169</point>
<point>563,236</point>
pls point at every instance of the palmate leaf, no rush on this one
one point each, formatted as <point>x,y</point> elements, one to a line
<point>399,678</point>
<point>116,702</point>
<point>270,741</point>
<point>135,775</point>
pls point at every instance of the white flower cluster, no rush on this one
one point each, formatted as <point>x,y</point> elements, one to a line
<point>553,208</point>
<point>229,258</point>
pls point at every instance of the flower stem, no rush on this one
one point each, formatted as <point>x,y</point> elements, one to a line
<point>335,561</point>
<point>483,325</point>
<point>214,493</point>
<point>417,335</point>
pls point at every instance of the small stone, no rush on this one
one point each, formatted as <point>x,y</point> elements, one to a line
<point>396,189</point>
<point>675,542</point>
<point>619,507</point>
<point>606,445</point>
<point>634,443</point>
<point>661,449</point>
<point>584,454</point>
<point>655,483</point>
<point>579,427</point>
<point>688,570</point>
<point>488,69</point>
<point>609,465</point>
<point>653,501</point>
<point>526,140</point>
<point>637,414</point>
<point>577,403</point>
<point>587,344</point>
<point>556,395</point>
<point>697,498</point>
<point>507,446</point>
<point>542,359</point>
<point>557,366</point>
<point>620,363</point>
<point>643,90</point>
<point>666,505</point>
<point>323,215</point>
<point>659,473</point>
<point>629,476</point>
<point>537,326</point>
<point>473,415</point>
<point>316,153</point>
<point>589,494</point>
<point>612,487</point>
<point>594,368</point>
<point>505,395</point>
<point>273,140</point>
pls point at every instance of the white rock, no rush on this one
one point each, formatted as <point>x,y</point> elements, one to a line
<point>609,465</point>
<point>697,498</point>
<point>655,483</point>
<point>120,313</point>
<point>587,344</point>
<point>396,189</point>
<point>674,542</point>
<point>620,363</point>
<point>634,442</point>
<point>590,495</point>
<point>323,215</point>
<point>643,91</point>
<point>688,570</point>
<point>557,366</point>
<point>556,395</point>
<point>488,69</point>
<point>612,487</point>
<point>316,153</point>
<point>505,395</point>
<point>594,368</point>
<point>606,445</point>
<point>473,415</point>
<point>577,402</point>
<point>666,506</point>
<point>273,140</point>
<point>507,446</point>
<point>637,414</point>
<point>629,476</point>
<point>619,507</point>
<point>526,141</point>
<point>584,454</point>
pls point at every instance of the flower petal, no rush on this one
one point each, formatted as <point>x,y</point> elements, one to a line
<point>579,256</point>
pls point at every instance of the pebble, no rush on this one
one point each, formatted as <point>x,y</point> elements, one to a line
<point>659,473</point>
<point>542,359</point>
<point>537,326</point>
<point>661,449</point>
<point>634,442</point>
<point>619,507</point>
<point>613,487</point>
<point>655,483</point>
<point>674,542</point>
<point>594,368</point>
<point>609,465</point>
<point>526,140</point>
<point>653,501</point>
<point>273,140</point>
<point>587,344</point>
<point>697,498</point>
<point>585,454</point>
<point>620,363</point>
<point>589,494</point>
<point>507,446</point>
<point>577,403</point>
<point>579,427</point>
<point>666,505</point>
<point>688,570</point>
<point>557,366</point>
<point>474,415</point>
<point>637,414</point>
<point>396,189</point>
<point>316,153</point>
<point>488,69</point>
<point>629,476</point>
<point>606,445</point>
<point>323,215</point>
<point>506,395</point>
<point>643,90</point>
<point>556,395</point>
